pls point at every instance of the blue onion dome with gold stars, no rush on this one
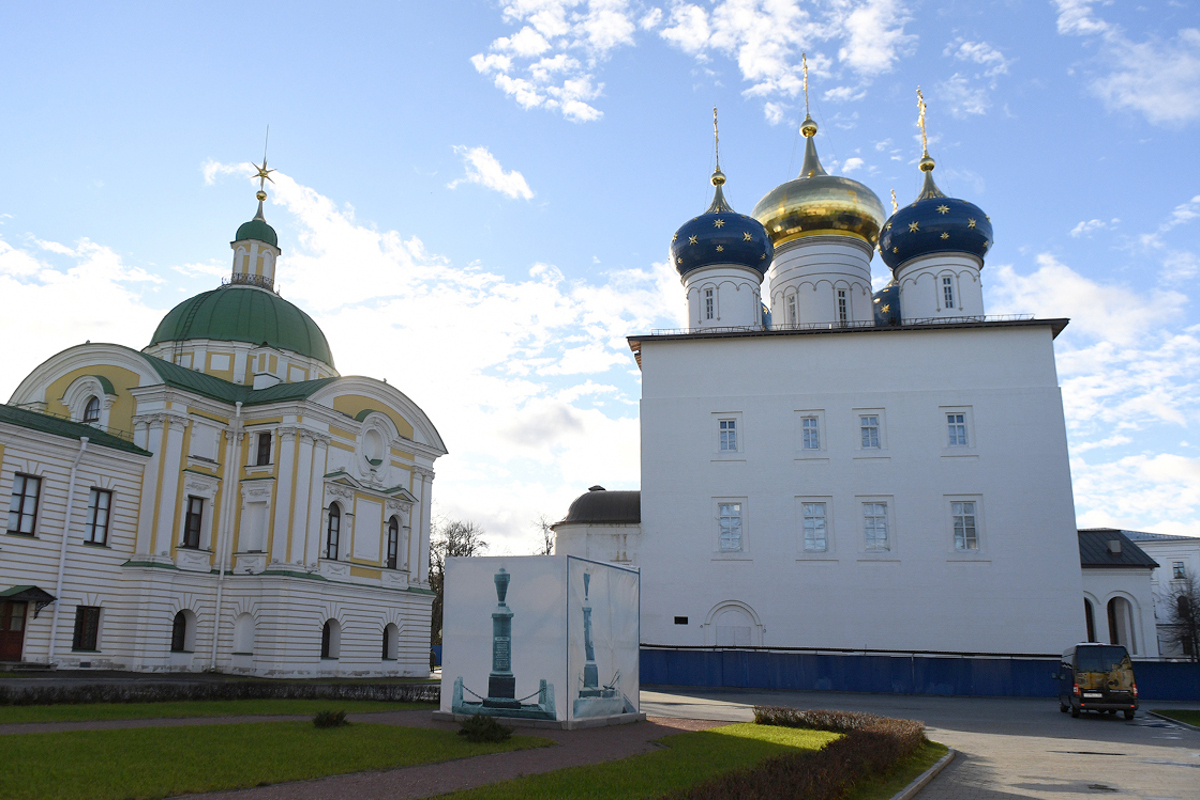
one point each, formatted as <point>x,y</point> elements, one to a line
<point>934,223</point>
<point>819,203</point>
<point>721,236</point>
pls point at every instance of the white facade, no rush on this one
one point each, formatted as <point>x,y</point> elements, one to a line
<point>940,286</point>
<point>1178,560</point>
<point>821,280</point>
<point>723,296</point>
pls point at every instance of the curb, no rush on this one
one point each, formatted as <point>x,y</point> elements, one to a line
<point>919,783</point>
<point>1173,721</point>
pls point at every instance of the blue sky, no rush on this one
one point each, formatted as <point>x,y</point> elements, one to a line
<point>475,199</point>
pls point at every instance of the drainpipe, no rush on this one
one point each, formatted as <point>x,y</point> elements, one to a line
<point>62,551</point>
<point>232,465</point>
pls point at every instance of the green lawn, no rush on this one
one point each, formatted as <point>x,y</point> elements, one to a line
<point>902,775</point>
<point>159,762</point>
<point>192,708</point>
<point>687,758</point>
<point>1190,716</point>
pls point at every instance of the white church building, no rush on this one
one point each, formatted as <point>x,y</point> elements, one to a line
<point>221,499</point>
<point>827,467</point>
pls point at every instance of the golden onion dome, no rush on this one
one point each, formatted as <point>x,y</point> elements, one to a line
<point>819,203</point>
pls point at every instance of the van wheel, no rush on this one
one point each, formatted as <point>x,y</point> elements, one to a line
<point>1062,706</point>
<point>1075,711</point>
<point>1112,711</point>
<point>1129,714</point>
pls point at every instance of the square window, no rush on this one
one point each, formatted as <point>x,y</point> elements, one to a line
<point>681,620</point>
<point>1178,571</point>
<point>811,427</point>
<point>23,506</point>
<point>87,628</point>
<point>263,456</point>
<point>728,432</point>
<point>868,425</point>
<point>729,526</point>
<point>815,527</point>
<point>95,530</point>
<point>956,425</point>
<point>875,526</point>
<point>966,535</point>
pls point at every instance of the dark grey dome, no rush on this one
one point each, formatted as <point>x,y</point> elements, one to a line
<point>600,506</point>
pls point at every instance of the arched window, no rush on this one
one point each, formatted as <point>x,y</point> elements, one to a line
<point>91,412</point>
<point>182,633</point>
<point>334,530</point>
<point>1120,624</point>
<point>331,639</point>
<point>393,543</point>
<point>391,642</point>
<point>1090,617</point>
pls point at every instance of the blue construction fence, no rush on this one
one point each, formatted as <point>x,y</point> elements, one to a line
<point>929,674</point>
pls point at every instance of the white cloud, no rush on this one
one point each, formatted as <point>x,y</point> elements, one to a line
<point>981,53</point>
<point>969,93</point>
<point>963,97</point>
<point>1160,80</point>
<point>484,169</point>
<point>851,165</point>
<point>1159,491</point>
<point>1087,227</point>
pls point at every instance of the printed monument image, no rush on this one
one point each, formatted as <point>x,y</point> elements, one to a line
<point>595,700</point>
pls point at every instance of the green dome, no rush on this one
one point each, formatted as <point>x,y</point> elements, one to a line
<point>257,228</point>
<point>238,313</point>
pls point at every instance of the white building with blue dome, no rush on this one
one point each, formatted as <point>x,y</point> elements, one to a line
<point>854,471</point>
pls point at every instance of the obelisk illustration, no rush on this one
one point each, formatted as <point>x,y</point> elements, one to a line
<point>502,686</point>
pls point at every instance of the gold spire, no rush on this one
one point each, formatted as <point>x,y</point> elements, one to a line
<point>926,164</point>
<point>263,174</point>
<point>895,205</point>
<point>718,205</point>
<point>808,127</point>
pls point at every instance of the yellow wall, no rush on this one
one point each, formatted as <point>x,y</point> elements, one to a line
<point>120,416</point>
<point>352,404</point>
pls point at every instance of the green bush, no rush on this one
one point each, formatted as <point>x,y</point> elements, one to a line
<point>149,690</point>
<point>330,719</point>
<point>481,728</point>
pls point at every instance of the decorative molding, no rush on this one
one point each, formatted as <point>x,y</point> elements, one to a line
<point>334,490</point>
<point>155,418</point>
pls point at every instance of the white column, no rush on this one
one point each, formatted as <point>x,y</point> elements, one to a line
<point>316,518</point>
<point>426,516</point>
<point>303,501</point>
<point>148,435</point>
<point>168,494</point>
<point>283,494</point>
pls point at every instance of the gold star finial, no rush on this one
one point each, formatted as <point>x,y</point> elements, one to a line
<point>262,173</point>
<point>716,139</point>
<point>804,61</point>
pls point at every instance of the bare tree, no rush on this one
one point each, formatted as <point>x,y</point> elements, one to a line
<point>546,542</point>
<point>1183,606</point>
<point>450,538</point>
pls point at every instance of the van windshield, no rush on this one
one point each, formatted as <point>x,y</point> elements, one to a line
<point>1102,658</point>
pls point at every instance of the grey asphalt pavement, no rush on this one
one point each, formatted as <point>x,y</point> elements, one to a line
<point>1008,747</point>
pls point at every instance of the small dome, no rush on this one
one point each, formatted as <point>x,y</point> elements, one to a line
<point>258,228</point>
<point>597,506</point>
<point>886,305</point>
<point>241,313</point>
<point>934,223</point>
<point>819,203</point>
<point>721,236</point>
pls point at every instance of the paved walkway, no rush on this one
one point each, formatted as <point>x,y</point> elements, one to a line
<point>1008,747</point>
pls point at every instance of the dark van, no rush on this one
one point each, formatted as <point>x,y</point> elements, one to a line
<point>1096,677</point>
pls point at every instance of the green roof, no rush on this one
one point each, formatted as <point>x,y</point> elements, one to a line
<point>257,229</point>
<point>218,389</point>
<point>56,426</point>
<point>241,313</point>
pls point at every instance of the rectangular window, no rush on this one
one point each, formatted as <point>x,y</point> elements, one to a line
<point>843,312</point>
<point>191,523</point>
<point>681,620</point>
<point>264,450</point>
<point>22,508</point>
<point>730,525</point>
<point>966,536</point>
<point>956,425</point>
<point>87,628</point>
<point>869,428</point>
<point>95,531</point>
<point>812,433</point>
<point>947,292</point>
<point>729,442</point>
<point>875,526</point>
<point>814,527</point>
<point>791,309</point>
<point>1178,571</point>
<point>709,304</point>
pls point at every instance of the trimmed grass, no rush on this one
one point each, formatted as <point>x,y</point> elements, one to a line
<point>1189,716</point>
<point>902,774</point>
<point>687,758</point>
<point>145,763</point>
<point>192,708</point>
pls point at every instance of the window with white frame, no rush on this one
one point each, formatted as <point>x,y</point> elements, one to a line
<point>956,427</point>
<point>868,426</point>
<point>875,526</point>
<point>710,304</point>
<point>947,291</point>
<point>811,430</point>
<point>966,533</point>
<point>1178,571</point>
<point>729,526</point>
<point>91,412</point>
<point>23,506</point>
<point>728,435</point>
<point>791,309</point>
<point>333,531</point>
<point>95,530</point>
<point>193,520</point>
<point>815,527</point>
<point>843,308</point>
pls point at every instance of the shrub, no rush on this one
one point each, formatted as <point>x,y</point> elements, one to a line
<point>330,719</point>
<point>871,746</point>
<point>481,728</point>
<point>150,690</point>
